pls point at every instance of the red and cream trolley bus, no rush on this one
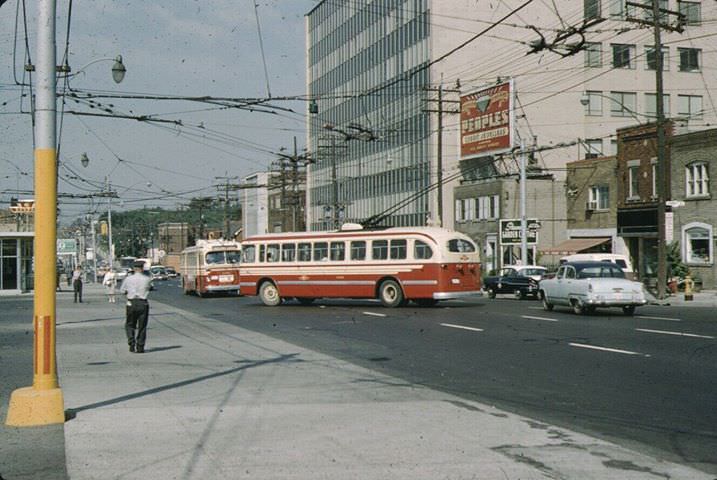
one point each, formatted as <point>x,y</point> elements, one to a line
<point>210,266</point>
<point>394,265</point>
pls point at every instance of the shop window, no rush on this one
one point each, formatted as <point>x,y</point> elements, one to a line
<point>697,243</point>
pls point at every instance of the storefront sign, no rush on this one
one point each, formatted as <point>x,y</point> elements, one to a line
<point>510,231</point>
<point>487,120</point>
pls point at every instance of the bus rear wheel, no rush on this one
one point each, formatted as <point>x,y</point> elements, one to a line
<point>269,294</point>
<point>390,294</point>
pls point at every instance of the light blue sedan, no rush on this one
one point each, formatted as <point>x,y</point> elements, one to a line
<point>586,286</point>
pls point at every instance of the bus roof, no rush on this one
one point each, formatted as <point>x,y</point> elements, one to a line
<point>436,233</point>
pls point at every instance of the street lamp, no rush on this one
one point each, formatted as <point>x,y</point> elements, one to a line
<point>118,68</point>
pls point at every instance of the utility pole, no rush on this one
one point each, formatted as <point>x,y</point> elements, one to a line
<point>661,170</point>
<point>439,147</point>
<point>227,186</point>
<point>43,404</point>
<point>523,207</point>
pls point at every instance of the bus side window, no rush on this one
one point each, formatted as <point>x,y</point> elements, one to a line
<point>421,250</point>
<point>358,250</point>
<point>288,252</point>
<point>272,252</point>
<point>338,251</point>
<point>262,249</point>
<point>248,254</point>
<point>321,251</point>
<point>379,249</point>
<point>304,252</point>
<point>398,249</point>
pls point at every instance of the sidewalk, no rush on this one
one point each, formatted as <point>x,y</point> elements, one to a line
<point>209,400</point>
<point>704,298</point>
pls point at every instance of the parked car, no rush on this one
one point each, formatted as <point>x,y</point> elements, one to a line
<point>517,280</point>
<point>586,286</point>
<point>171,272</point>
<point>158,272</point>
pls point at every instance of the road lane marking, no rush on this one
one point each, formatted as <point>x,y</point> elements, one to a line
<point>462,327</point>
<point>606,349</point>
<point>539,318</point>
<point>658,318</point>
<point>374,314</point>
<point>679,334</point>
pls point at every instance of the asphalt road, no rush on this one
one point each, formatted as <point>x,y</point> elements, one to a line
<point>648,382</point>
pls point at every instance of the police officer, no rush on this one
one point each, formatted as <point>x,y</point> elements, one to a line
<point>137,287</point>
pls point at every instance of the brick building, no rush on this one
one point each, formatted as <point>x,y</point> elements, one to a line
<point>694,156</point>
<point>637,193</point>
<point>591,202</point>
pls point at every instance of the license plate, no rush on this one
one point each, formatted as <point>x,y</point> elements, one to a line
<point>618,296</point>
<point>226,278</point>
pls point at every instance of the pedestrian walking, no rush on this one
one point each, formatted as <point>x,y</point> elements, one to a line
<point>110,283</point>
<point>77,283</point>
<point>136,287</point>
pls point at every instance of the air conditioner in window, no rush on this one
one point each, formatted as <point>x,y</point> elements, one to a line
<point>592,205</point>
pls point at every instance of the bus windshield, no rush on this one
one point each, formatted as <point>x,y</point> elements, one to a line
<point>223,257</point>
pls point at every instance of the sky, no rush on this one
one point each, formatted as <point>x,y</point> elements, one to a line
<point>187,48</point>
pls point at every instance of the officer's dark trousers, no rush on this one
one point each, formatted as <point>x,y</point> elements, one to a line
<point>136,324</point>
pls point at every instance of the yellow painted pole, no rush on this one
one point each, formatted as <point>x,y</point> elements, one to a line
<point>42,404</point>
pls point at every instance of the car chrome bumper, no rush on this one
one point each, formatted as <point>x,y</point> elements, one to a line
<point>614,302</point>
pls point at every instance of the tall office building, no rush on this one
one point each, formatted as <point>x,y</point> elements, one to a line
<point>581,70</point>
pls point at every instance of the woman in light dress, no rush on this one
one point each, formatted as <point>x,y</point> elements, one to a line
<point>110,283</point>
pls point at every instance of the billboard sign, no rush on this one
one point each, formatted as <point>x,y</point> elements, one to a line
<point>487,120</point>
<point>510,231</point>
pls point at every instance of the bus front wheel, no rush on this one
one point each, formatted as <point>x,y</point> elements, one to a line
<point>390,294</point>
<point>269,294</point>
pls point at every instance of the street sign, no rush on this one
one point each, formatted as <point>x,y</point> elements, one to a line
<point>675,203</point>
<point>510,231</point>
<point>66,246</point>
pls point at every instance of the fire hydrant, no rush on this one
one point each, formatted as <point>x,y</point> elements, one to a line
<point>689,284</point>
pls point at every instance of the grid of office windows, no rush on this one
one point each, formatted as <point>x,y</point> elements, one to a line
<point>366,68</point>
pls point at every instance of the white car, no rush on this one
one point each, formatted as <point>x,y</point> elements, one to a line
<point>586,286</point>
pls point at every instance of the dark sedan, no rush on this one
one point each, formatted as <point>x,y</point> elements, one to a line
<point>511,280</point>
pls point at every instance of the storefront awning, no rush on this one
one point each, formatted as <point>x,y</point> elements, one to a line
<point>575,245</point>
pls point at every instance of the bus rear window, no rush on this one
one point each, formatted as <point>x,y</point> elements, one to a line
<point>458,245</point>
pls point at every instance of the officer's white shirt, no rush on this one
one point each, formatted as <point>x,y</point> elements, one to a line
<point>136,286</point>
